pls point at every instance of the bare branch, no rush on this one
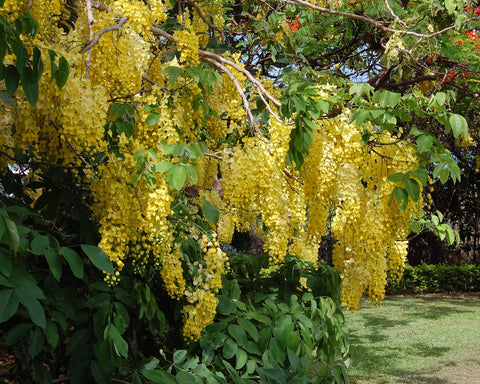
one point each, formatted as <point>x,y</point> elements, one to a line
<point>214,155</point>
<point>288,174</point>
<point>29,6</point>
<point>205,19</point>
<point>246,104</point>
<point>97,37</point>
<point>99,6</point>
<point>400,21</point>
<point>34,162</point>
<point>90,21</point>
<point>367,19</point>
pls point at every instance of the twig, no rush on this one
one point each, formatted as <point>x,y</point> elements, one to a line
<point>205,54</point>
<point>97,37</point>
<point>292,176</point>
<point>90,21</point>
<point>29,6</point>
<point>205,20</point>
<point>79,155</point>
<point>400,21</point>
<point>214,155</point>
<point>100,6</point>
<point>246,104</point>
<point>33,162</point>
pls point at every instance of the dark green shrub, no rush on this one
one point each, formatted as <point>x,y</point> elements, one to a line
<point>430,278</point>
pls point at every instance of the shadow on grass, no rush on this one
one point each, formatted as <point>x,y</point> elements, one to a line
<point>389,343</point>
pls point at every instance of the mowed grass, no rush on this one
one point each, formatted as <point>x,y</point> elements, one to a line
<point>416,339</point>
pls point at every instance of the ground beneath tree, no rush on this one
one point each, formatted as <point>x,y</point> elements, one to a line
<point>433,339</point>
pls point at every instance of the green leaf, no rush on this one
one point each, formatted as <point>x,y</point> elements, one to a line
<point>37,340</point>
<point>421,174</point>
<point>98,258</point>
<point>30,85</point>
<point>12,233</point>
<point>249,327</point>
<point>17,333</point>
<point>451,6</point>
<point>25,283</point>
<point>8,304</point>
<point>39,244</point>
<point>37,63</point>
<point>163,166</point>
<point>424,143</point>
<point>238,333</point>
<point>396,177</point>
<point>174,72</point>
<point>195,73</point>
<point>185,377</point>
<point>22,58</point>
<point>386,98</point>
<point>152,118</point>
<point>63,72</point>
<point>412,187</point>
<point>241,358</point>
<point>459,125</point>
<point>7,99</point>
<point>34,308</point>
<point>54,262</point>
<point>77,341</point>
<point>176,177</point>
<point>210,212</point>
<point>74,261</point>
<point>5,262</point>
<point>12,78</point>
<point>51,333</point>
<point>450,235</point>
<point>159,376</point>
<point>229,348</point>
<point>179,356</point>
<point>119,343</point>
<point>402,198</point>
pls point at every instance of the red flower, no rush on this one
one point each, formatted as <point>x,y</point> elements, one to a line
<point>295,24</point>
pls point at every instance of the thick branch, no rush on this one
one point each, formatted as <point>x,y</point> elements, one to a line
<point>217,59</point>
<point>100,6</point>
<point>407,82</point>
<point>366,19</point>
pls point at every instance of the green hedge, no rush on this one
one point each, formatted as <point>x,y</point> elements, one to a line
<point>437,278</point>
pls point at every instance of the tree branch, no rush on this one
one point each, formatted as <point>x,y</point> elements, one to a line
<point>246,104</point>
<point>97,37</point>
<point>33,162</point>
<point>367,19</point>
<point>205,20</point>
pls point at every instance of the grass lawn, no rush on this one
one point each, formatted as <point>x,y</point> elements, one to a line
<point>431,339</point>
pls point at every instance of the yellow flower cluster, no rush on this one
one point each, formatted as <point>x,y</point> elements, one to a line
<point>48,13</point>
<point>465,141</point>
<point>198,316</point>
<point>207,281</point>
<point>188,43</point>
<point>12,9</point>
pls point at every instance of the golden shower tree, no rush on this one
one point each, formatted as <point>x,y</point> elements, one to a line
<point>187,120</point>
